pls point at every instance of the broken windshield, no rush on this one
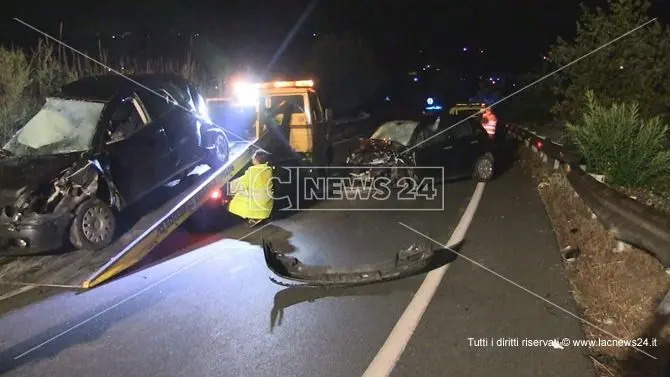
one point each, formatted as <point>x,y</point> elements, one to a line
<point>397,131</point>
<point>61,126</point>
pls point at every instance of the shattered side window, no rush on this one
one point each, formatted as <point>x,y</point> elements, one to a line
<point>61,126</point>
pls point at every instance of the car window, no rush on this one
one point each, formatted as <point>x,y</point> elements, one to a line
<point>462,130</point>
<point>156,105</point>
<point>124,121</point>
<point>61,126</point>
<point>477,128</point>
<point>317,110</point>
<point>295,101</point>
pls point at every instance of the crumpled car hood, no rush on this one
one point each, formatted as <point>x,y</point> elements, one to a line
<point>18,172</point>
<point>369,149</point>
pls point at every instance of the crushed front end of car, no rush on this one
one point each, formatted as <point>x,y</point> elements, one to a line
<point>380,158</point>
<point>36,208</point>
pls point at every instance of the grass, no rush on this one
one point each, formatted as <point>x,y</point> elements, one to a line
<point>617,292</point>
<point>26,77</point>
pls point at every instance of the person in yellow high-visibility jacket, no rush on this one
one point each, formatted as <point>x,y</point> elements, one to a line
<point>252,193</point>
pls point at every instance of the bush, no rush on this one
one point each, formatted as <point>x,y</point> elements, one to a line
<point>616,142</point>
<point>14,79</point>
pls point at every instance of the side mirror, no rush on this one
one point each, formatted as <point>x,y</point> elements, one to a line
<point>329,114</point>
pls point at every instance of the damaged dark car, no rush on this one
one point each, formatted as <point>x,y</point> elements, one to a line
<point>427,147</point>
<point>97,146</point>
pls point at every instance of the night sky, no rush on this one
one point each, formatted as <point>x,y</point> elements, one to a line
<point>513,33</point>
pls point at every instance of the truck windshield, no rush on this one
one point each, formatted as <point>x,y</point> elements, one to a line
<point>61,126</point>
<point>397,131</point>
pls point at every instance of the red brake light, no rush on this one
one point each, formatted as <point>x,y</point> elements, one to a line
<point>539,144</point>
<point>215,194</point>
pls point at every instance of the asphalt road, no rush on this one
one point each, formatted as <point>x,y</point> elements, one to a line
<point>214,312</point>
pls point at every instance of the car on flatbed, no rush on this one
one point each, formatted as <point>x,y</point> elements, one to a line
<point>97,146</point>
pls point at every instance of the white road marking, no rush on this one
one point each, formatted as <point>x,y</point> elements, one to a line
<point>179,271</point>
<point>389,354</point>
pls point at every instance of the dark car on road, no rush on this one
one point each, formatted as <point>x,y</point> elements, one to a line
<point>422,147</point>
<point>97,146</point>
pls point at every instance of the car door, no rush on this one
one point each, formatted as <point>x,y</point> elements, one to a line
<point>137,150</point>
<point>428,151</point>
<point>461,143</point>
<point>182,126</point>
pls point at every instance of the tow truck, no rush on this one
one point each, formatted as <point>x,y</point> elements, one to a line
<point>308,141</point>
<point>306,123</point>
<point>295,106</point>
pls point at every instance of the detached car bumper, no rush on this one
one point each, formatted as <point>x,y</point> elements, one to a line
<point>33,234</point>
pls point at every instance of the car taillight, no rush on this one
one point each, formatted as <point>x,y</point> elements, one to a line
<point>215,194</point>
<point>539,144</point>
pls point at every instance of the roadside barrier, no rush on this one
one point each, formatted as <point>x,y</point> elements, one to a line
<point>628,220</point>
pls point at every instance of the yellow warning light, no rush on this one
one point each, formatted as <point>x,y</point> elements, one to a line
<point>287,84</point>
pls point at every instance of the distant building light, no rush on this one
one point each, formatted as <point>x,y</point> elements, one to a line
<point>465,49</point>
<point>387,99</point>
<point>314,34</point>
<point>481,51</point>
<point>416,79</point>
<point>620,67</point>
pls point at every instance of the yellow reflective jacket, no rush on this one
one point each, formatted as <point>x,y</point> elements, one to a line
<point>252,193</point>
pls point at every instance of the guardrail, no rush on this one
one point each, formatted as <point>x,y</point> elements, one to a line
<point>628,220</point>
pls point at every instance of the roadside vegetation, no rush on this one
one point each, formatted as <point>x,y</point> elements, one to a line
<point>614,107</point>
<point>26,77</point>
<point>616,142</point>
<point>616,291</point>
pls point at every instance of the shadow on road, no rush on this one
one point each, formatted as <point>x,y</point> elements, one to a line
<point>506,154</point>
<point>182,242</point>
<point>297,295</point>
<point>51,342</point>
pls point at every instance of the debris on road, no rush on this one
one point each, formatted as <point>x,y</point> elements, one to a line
<point>410,261</point>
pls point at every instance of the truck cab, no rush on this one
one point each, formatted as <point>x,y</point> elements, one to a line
<point>305,131</point>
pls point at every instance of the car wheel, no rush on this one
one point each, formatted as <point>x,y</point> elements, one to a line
<point>484,168</point>
<point>219,150</point>
<point>93,226</point>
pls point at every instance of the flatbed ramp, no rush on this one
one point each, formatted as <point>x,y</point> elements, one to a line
<point>85,269</point>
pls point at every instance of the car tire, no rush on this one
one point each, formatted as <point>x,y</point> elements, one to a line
<point>97,214</point>
<point>484,168</point>
<point>218,151</point>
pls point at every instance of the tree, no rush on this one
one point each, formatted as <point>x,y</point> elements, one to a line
<point>346,71</point>
<point>632,69</point>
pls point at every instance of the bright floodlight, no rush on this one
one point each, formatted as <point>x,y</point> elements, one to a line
<point>246,94</point>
